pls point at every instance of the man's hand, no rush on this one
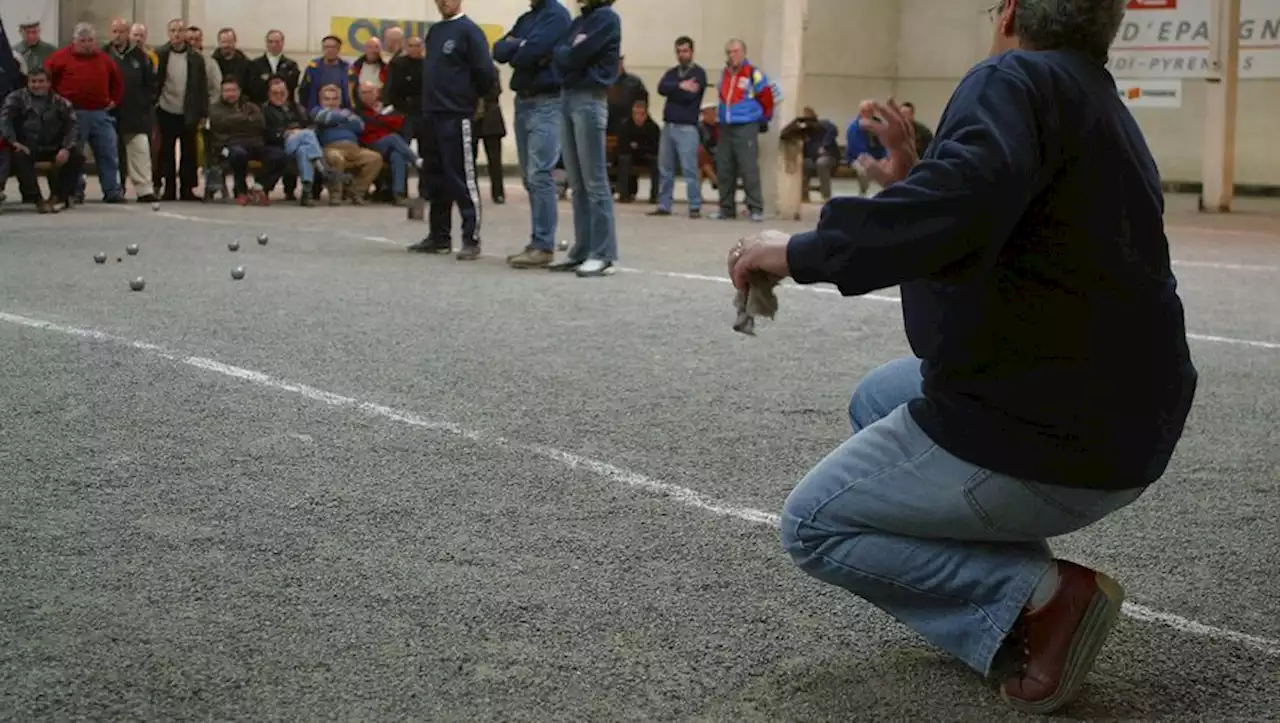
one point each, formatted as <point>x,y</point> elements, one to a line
<point>579,38</point>
<point>690,86</point>
<point>20,148</point>
<point>766,253</point>
<point>896,133</point>
<point>62,157</point>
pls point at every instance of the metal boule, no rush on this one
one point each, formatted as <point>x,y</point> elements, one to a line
<point>137,284</point>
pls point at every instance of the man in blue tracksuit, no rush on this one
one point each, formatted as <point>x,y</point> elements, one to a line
<point>527,49</point>
<point>458,72</point>
<point>587,59</point>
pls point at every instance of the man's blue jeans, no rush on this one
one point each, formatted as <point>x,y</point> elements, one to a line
<point>586,116</point>
<point>304,148</point>
<point>396,150</point>
<point>98,130</point>
<point>679,144</point>
<point>538,149</point>
<point>948,548</point>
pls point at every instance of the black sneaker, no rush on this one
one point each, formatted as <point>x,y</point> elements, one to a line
<point>659,212</point>
<point>429,245</point>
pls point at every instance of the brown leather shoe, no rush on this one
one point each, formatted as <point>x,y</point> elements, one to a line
<point>1061,640</point>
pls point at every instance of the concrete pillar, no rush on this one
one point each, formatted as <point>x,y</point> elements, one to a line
<point>1219,169</point>
<point>781,173</point>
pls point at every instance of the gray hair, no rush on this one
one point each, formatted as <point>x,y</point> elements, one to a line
<point>84,30</point>
<point>738,42</point>
<point>1087,26</point>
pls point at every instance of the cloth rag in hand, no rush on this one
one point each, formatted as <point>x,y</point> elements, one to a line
<point>758,300</point>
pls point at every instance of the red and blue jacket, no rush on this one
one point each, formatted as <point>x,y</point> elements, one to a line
<point>747,96</point>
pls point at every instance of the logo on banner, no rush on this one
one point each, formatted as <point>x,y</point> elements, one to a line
<point>1170,39</point>
<point>356,31</point>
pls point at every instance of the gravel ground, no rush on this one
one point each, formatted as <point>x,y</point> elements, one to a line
<point>365,485</point>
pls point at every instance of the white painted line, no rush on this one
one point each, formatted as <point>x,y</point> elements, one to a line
<point>1225,266</point>
<point>612,473</point>
<point>884,298</point>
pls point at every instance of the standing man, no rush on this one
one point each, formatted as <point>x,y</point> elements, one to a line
<point>403,92</point>
<point>33,51</point>
<point>458,73</point>
<point>527,49</point>
<point>1053,381</point>
<point>746,107</point>
<point>683,87</point>
<point>588,61</point>
<point>91,81</point>
<point>232,62</point>
<point>182,105</point>
<point>275,64</point>
<point>272,64</point>
<point>491,128</point>
<point>328,69</point>
<point>133,115</point>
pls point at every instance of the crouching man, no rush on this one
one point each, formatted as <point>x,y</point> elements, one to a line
<point>237,133</point>
<point>40,125</point>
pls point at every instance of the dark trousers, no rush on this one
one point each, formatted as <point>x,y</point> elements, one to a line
<point>62,181</point>
<point>628,184</point>
<point>273,162</point>
<point>449,170</point>
<point>174,130</point>
<point>493,158</point>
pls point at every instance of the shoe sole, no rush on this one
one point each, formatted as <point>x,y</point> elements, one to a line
<point>1095,628</point>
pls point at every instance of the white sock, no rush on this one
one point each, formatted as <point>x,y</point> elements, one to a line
<point>1045,589</point>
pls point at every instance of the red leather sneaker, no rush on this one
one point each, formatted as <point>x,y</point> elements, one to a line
<point>1061,640</point>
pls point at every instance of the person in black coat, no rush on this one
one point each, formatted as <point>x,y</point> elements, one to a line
<point>638,140</point>
<point>134,115</point>
<point>491,128</point>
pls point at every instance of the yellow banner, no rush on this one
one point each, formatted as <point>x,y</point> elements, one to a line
<point>355,31</point>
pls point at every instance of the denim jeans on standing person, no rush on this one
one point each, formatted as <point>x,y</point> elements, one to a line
<point>304,148</point>
<point>679,144</point>
<point>396,150</point>
<point>586,117</point>
<point>538,149</point>
<point>98,130</point>
<point>948,548</point>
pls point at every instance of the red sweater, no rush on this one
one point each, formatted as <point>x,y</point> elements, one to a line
<point>90,82</point>
<point>377,127</point>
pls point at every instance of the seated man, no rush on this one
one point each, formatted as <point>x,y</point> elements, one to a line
<point>339,132</point>
<point>382,126</point>
<point>40,125</point>
<point>708,137</point>
<point>237,136</point>
<point>287,129</point>
<point>821,149</point>
<point>862,149</point>
<point>638,140</point>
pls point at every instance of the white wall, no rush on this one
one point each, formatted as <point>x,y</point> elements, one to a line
<point>853,49</point>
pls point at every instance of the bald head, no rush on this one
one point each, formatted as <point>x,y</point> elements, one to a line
<point>120,32</point>
<point>138,35</point>
<point>393,39</point>
<point>369,95</point>
<point>372,48</point>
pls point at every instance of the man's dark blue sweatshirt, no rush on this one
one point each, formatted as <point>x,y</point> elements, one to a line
<point>458,69</point>
<point>593,63</point>
<point>683,107</point>
<point>528,48</point>
<point>1036,283</point>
